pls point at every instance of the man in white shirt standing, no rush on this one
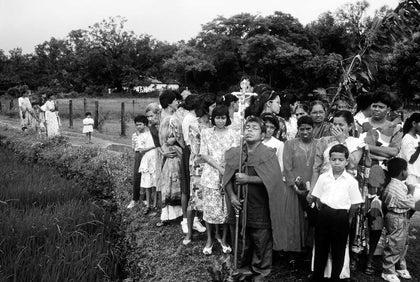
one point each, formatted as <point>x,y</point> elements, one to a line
<point>337,195</point>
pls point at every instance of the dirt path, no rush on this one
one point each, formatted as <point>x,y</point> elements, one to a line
<point>77,139</point>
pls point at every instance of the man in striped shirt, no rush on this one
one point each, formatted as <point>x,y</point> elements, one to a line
<point>398,200</point>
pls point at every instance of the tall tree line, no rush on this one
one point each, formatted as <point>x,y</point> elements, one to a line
<point>275,49</point>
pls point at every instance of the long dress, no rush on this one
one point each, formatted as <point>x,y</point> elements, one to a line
<point>196,166</point>
<point>297,162</point>
<point>408,147</point>
<point>214,145</point>
<point>169,176</point>
<point>51,119</point>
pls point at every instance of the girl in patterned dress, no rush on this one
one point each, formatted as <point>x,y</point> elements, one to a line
<point>215,141</point>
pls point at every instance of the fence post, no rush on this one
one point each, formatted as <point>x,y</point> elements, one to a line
<point>96,121</point>
<point>122,119</point>
<point>70,113</point>
<point>133,107</point>
<point>84,105</point>
<point>11,105</point>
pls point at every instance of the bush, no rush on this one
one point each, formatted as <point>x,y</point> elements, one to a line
<point>99,171</point>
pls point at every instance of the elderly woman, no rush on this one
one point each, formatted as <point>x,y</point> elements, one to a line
<point>318,112</point>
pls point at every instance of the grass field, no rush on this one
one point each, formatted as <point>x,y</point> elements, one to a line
<point>109,114</point>
<point>50,229</point>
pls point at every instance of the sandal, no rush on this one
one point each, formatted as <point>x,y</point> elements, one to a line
<point>370,270</point>
<point>186,242</point>
<point>226,249</point>
<point>160,223</point>
<point>208,251</point>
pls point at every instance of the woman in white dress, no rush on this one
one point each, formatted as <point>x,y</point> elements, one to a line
<point>410,151</point>
<point>52,119</point>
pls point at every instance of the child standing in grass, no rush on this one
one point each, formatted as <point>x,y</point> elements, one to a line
<point>398,199</point>
<point>147,168</point>
<point>88,127</point>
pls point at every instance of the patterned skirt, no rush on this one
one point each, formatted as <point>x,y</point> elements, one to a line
<point>214,206</point>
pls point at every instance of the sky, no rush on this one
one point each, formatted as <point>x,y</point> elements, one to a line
<point>26,23</point>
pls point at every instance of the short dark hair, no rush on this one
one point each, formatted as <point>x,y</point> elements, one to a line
<point>88,114</point>
<point>408,124</point>
<point>227,99</point>
<point>363,102</point>
<point>257,120</point>
<point>347,115</point>
<point>167,97</point>
<point>303,106</point>
<point>201,111</point>
<point>269,117</point>
<point>305,120</point>
<point>191,102</point>
<point>140,118</point>
<point>340,148</point>
<point>220,111</point>
<point>396,166</point>
<point>382,97</point>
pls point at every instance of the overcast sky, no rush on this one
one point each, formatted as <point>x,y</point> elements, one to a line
<point>26,23</point>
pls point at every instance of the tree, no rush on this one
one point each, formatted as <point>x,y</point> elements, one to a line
<point>190,66</point>
<point>113,44</point>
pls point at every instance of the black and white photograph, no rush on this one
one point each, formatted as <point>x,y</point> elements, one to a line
<point>210,140</point>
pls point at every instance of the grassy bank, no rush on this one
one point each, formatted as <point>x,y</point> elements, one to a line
<point>50,228</point>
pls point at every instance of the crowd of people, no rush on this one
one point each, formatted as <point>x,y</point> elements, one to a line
<point>316,180</point>
<point>304,178</point>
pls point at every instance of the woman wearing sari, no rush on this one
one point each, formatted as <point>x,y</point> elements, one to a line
<point>318,112</point>
<point>298,159</point>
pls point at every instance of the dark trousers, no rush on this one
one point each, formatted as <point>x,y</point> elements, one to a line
<point>258,252</point>
<point>331,232</point>
<point>185,170</point>
<point>136,176</point>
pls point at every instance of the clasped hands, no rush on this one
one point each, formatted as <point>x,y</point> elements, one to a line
<point>240,178</point>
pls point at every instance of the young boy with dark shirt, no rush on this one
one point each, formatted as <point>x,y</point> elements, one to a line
<point>337,195</point>
<point>262,189</point>
<point>398,200</point>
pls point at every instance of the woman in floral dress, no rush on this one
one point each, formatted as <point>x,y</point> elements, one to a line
<point>195,203</point>
<point>215,141</point>
<point>169,176</point>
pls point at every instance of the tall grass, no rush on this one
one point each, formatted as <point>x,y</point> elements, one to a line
<point>50,229</point>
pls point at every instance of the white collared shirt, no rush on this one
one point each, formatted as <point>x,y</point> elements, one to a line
<point>338,193</point>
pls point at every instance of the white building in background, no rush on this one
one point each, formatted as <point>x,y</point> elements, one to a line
<point>156,85</point>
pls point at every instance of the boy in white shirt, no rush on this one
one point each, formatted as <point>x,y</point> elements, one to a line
<point>337,195</point>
